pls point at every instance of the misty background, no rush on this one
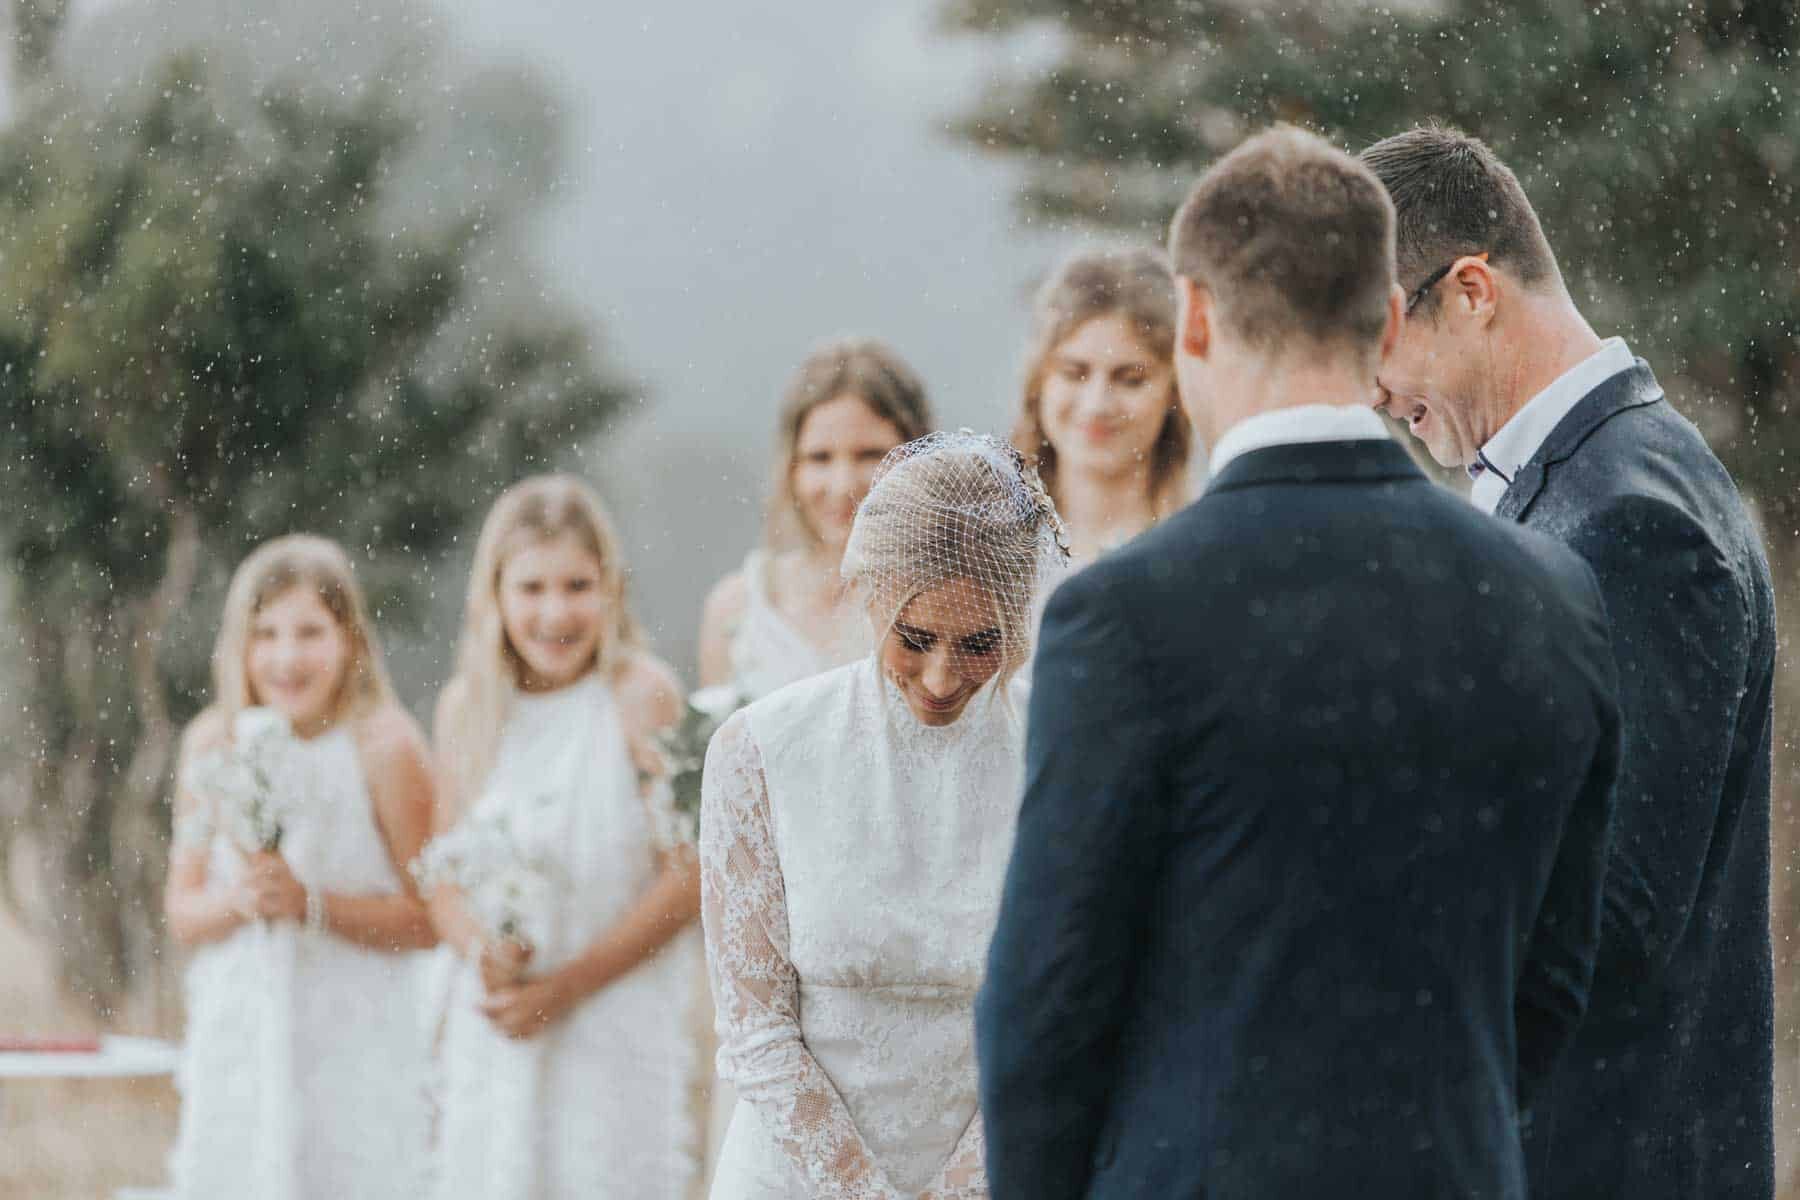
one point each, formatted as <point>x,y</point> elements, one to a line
<point>634,221</point>
<point>731,186</point>
<point>743,182</point>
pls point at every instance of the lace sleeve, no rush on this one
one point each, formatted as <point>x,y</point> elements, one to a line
<point>964,1174</point>
<point>756,990</point>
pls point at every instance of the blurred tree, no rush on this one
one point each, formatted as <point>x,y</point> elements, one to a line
<point>227,312</point>
<point>35,27</point>
<point>1658,139</point>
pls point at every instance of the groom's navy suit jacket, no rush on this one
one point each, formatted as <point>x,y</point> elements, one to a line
<point>1667,1091</point>
<point>1306,891</point>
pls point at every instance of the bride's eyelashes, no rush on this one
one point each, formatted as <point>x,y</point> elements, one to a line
<point>980,645</point>
<point>915,640</point>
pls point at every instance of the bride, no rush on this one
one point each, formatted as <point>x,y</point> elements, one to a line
<point>854,835</point>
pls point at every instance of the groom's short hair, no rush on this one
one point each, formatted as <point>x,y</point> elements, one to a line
<point>1453,196</point>
<point>1293,239</point>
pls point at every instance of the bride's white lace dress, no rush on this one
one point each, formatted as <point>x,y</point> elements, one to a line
<point>852,861</point>
<point>303,1068</point>
<point>597,1105</point>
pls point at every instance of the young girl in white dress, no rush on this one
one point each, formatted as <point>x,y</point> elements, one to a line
<point>565,1054</point>
<point>303,1070</point>
<point>783,615</point>
<point>1099,416</point>
<point>854,834</point>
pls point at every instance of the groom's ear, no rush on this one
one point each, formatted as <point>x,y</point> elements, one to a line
<point>1195,315</point>
<point>1473,289</point>
<point>1396,307</point>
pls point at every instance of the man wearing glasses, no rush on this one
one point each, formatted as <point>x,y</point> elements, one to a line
<point>1667,1090</point>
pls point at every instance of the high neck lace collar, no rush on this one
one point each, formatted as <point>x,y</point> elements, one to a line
<point>982,710</point>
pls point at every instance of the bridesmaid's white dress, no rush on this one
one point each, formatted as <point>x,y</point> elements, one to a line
<point>303,1068</point>
<point>851,862</point>
<point>597,1105</point>
<point>768,652</point>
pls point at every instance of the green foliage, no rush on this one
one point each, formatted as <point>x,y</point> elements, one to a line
<point>683,750</point>
<point>1657,139</point>
<point>222,318</point>
<point>205,309</point>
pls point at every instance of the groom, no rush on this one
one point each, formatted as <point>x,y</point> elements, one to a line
<point>1305,896</point>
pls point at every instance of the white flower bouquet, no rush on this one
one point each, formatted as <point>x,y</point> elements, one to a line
<point>254,780</point>
<point>501,878</point>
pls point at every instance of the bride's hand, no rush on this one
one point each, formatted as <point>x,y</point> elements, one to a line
<point>958,1182</point>
<point>938,1191</point>
<point>503,962</point>
<point>943,1191</point>
<point>526,1009</point>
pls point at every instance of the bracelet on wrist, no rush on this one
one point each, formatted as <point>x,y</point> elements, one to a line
<point>315,910</point>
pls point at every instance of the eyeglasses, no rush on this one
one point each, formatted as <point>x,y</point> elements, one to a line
<point>1437,277</point>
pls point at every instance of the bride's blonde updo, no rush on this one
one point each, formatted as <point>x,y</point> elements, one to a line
<point>955,506</point>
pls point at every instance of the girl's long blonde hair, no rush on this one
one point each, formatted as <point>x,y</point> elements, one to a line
<point>1134,284</point>
<point>488,667</point>
<point>320,566</point>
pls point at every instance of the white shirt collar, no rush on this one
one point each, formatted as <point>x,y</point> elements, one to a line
<point>1302,423</point>
<point>1521,438</point>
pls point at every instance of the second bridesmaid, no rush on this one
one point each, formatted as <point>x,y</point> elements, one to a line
<point>566,1051</point>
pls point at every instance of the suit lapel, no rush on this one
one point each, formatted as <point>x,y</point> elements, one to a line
<point>1522,490</point>
<point>1628,389</point>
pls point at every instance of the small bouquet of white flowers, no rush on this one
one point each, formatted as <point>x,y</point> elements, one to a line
<point>253,780</point>
<point>503,880</point>
<point>683,747</point>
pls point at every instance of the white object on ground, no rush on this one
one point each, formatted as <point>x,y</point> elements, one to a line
<point>117,1058</point>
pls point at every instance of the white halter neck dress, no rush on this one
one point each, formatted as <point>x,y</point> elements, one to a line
<point>597,1105</point>
<point>768,652</point>
<point>303,1065</point>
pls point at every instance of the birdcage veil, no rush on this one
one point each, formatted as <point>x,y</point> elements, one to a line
<point>960,512</point>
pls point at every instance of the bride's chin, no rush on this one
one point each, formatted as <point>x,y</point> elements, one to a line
<point>932,715</point>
